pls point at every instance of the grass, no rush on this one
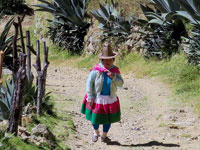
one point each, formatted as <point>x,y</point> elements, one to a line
<point>15,143</point>
<point>60,123</point>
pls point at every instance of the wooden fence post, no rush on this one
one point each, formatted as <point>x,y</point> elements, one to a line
<point>41,79</point>
<point>28,43</point>
<point>16,108</point>
<point>21,33</point>
<point>1,65</point>
<point>15,55</point>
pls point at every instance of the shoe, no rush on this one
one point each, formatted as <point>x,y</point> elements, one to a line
<point>105,140</point>
<point>94,138</point>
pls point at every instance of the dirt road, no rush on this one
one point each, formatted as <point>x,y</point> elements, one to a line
<point>151,117</point>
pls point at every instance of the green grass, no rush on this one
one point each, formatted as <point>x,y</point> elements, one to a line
<point>15,143</point>
<point>60,124</point>
<point>87,62</point>
<point>11,142</point>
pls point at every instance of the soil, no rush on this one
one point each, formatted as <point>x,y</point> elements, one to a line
<point>152,117</point>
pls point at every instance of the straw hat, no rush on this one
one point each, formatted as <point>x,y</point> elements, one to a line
<point>107,52</point>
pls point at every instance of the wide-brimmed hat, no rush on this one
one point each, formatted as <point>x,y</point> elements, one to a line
<point>107,52</point>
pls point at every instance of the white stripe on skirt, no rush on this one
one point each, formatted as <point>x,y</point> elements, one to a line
<point>104,99</point>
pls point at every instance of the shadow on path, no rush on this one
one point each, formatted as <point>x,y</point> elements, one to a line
<point>149,144</point>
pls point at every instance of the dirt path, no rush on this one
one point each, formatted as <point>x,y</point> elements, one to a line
<point>151,118</point>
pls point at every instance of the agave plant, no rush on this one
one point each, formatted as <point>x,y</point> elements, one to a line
<point>191,43</point>
<point>6,99</point>
<point>70,24</point>
<point>6,44</point>
<point>6,94</point>
<point>163,14</point>
<point>192,49</point>
<point>112,24</point>
<point>192,11</point>
<point>165,27</point>
<point>159,44</point>
<point>11,7</point>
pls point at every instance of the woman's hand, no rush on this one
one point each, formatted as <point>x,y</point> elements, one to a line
<point>109,74</point>
<point>90,102</point>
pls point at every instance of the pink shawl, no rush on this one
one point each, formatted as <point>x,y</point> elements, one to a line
<point>99,68</point>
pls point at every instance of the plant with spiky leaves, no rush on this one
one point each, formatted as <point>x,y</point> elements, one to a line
<point>162,24</point>
<point>191,43</point>
<point>6,44</point>
<point>112,24</point>
<point>11,7</point>
<point>6,93</point>
<point>70,24</point>
<point>159,43</point>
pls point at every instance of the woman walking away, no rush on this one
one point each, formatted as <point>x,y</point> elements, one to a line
<point>101,104</point>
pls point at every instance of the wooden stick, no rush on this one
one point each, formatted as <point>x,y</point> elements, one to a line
<point>1,65</point>
<point>21,34</point>
<point>41,79</point>
<point>15,56</point>
<point>16,108</point>
<point>28,43</point>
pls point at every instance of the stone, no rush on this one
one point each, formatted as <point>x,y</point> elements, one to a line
<point>42,130</point>
<point>4,125</point>
<point>23,131</point>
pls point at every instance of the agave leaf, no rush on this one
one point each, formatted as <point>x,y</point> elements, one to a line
<point>186,15</point>
<point>4,110</point>
<point>65,5</point>
<point>145,11</point>
<point>5,31</point>
<point>115,13</point>
<point>173,5</point>
<point>156,21</point>
<point>45,9</point>
<point>46,2</point>
<point>154,15</point>
<point>190,9</point>
<point>161,5</point>
<point>81,11</point>
<point>197,5</point>
<point>75,9</point>
<point>104,11</point>
<point>98,16</point>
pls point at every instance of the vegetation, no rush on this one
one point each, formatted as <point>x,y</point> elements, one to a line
<point>6,43</point>
<point>11,7</point>
<point>165,29</point>
<point>70,25</point>
<point>162,31</point>
<point>192,45</point>
<point>6,99</point>
<point>112,24</point>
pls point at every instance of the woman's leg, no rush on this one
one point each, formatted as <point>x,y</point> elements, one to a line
<point>106,128</point>
<point>96,132</point>
<point>96,129</point>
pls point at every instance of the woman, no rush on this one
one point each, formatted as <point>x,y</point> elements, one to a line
<point>101,104</point>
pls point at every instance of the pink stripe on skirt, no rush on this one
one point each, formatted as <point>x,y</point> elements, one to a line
<point>103,108</point>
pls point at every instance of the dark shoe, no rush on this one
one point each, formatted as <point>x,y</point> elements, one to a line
<point>105,140</point>
<point>94,138</point>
